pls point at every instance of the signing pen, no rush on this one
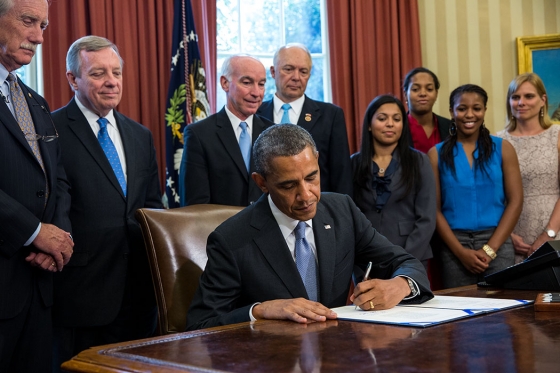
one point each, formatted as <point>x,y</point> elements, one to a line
<point>366,276</point>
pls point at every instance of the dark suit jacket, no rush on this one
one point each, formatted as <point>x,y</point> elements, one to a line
<point>108,243</point>
<point>212,168</point>
<point>328,129</point>
<point>22,203</point>
<point>410,221</point>
<point>249,261</point>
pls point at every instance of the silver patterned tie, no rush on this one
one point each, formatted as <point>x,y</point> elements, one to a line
<point>305,262</point>
<point>24,118</point>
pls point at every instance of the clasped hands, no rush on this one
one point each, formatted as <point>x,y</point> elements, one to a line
<point>383,294</point>
<point>55,248</point>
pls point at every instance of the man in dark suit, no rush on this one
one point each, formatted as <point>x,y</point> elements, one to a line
<point>105,294</point>
<point>34,199</point>
<point>217,165</point>
<point>260,267</point>
<point>325,121</point>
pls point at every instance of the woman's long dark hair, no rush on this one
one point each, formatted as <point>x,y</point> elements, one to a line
<point>409,158</point>
<point>484,142</point>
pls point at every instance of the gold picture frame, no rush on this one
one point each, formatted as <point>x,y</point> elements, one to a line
<point>540,54</point>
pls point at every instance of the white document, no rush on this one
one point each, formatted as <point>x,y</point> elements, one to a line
<point>438,310</point>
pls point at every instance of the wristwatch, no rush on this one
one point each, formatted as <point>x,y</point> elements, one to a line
<point>550,233</point>
<point>413,291</point>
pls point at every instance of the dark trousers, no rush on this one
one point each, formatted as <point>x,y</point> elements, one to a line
<point>25,339</point>
<point>131,323</point>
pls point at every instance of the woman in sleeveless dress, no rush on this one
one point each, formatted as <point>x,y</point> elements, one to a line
<point>536,141</point>
<point>478,193</point>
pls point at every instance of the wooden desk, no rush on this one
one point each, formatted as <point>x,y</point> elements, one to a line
<point>518,340</point>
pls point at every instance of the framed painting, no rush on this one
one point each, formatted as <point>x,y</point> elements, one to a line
<point>541,55</point>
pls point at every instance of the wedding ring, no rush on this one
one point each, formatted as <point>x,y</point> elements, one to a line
<point>52,265</point>
<point>371,306</point>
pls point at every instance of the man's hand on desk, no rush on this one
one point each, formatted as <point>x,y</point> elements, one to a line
<point>382,294</point>
<point>299,310</point>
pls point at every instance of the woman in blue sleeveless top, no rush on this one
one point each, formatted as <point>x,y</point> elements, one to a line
<point>479,193</point>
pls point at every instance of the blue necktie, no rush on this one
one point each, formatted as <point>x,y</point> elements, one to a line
<point>286,115</point>
<point>111,152</point>
<point>245,144</point>
<point>305,262</point>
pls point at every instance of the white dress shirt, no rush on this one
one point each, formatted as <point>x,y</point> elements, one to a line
<point>294,111</point>
<point>112,130</point>
<point>235,121</point>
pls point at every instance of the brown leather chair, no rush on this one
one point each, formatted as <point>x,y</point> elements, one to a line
<point>176,243</point>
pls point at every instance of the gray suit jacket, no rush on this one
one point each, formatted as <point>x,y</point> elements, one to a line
<point>249,261</point>
<point>410,221</point>
<point>327,126</point>
<point>108,244</point>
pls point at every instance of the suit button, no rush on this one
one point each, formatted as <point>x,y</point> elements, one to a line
<point>40,193</point>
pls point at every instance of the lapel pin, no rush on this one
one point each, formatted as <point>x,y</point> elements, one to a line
<point>29,95</point>
<point>327,226</point>
<point>307,117</point>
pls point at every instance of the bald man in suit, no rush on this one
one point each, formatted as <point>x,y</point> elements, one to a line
<point>217,165</point>
<point>324,121</point>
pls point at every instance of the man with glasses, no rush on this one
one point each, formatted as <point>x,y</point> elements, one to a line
<point>105,295</point>
<point>34,198</point>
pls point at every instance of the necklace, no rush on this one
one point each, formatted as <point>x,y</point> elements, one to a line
<point>381,170</point>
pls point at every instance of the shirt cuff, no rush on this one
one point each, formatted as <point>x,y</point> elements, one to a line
<point>416,291</point>
<point>251,312</point>
<point>33,236</point>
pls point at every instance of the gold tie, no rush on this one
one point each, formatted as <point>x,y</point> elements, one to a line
<point>23,117</point>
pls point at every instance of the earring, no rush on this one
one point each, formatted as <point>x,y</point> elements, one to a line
<point>452,128</point>
<point>542,112</point>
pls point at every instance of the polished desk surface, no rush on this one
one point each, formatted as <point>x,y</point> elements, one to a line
<point>516,340</point>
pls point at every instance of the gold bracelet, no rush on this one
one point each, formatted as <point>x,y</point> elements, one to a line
<point>489,251</point>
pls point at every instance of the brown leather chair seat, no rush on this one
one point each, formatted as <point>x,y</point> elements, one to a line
<point>176,243</point>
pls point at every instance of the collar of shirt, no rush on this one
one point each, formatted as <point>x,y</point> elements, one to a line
<point>287,226</point>
<point>3,74</point>
<point>5,86</point>
<point>235,124</point>
<point>92,118</point>
<point>294,112</point>
<point>112,130</point>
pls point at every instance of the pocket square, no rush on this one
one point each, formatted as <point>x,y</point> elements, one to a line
<point>327,226</point>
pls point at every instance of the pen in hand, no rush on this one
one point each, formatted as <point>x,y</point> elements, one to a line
<point>366,276</point>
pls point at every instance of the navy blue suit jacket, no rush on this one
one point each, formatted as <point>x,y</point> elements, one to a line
<point>108,244</point>
<point>212,168</point>
<point>23,203</point>
<point>249,261</point>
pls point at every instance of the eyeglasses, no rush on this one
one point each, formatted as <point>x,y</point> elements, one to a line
<point>37,137</point>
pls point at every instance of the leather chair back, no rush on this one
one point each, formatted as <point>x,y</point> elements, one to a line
<point>175,240</point>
